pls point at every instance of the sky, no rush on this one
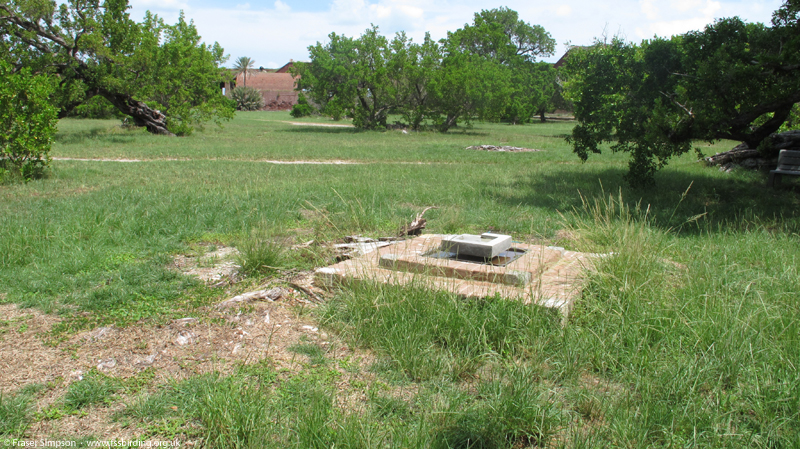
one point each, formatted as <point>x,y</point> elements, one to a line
<point>272,32</point>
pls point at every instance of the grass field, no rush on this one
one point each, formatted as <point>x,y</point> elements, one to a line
<point>689,336</point>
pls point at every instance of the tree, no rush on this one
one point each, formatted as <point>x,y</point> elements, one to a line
<point>161,75</point>
<point>510,47</point>
<point>27,122</point>
<point>732,80</point>
<point>533,94</point>
<point>470,74</point>
<point>243,66</point>
<point>466,86</point>
<point>357,77</point>
<point>376,86</point>
<point>500,35</point>
<point>418,63</point>
<point>328,80</point>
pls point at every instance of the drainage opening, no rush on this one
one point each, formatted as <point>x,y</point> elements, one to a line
<point>500,260</point>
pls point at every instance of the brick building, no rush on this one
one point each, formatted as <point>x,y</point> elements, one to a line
<point>277,86</point>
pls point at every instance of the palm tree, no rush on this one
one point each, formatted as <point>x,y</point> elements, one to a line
<point>244,65</point>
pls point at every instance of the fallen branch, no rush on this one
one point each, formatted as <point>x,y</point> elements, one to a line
<point>307,291</point>
<point>270,295</point>
<point>416,226</point>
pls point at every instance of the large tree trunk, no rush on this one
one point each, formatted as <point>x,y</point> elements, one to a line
<point>142,115</point>
<point>766,156</point>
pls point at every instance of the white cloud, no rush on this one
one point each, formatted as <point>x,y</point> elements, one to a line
<point>680,17</point>
<point>282,7</point>
<point>564,11</point>
<point>649,9</point>
<point>162,5</point>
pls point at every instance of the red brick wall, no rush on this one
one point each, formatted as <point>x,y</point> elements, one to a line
<point>276,88</point>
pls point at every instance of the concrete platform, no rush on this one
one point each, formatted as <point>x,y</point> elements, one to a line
<point>547,276</point>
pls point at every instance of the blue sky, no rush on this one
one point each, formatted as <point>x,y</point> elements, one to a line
<point>274,31</point>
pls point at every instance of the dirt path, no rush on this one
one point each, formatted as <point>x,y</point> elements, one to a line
<point>331,125</point>
<point>264,161</point>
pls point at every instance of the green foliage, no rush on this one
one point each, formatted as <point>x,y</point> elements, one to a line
<point>499,34</point>
<point>229,411</point>
<point>485,70</point>
<point>702,318</point>
<point>247,99</point>
<point>302,108</point>
<point>96,49</point>
<point>232,412</point>
<point>534,91</point>
<point>243,66</point>
<point>352,77</point>
<point>96,107</point>
<point>27,122</point>
<point>466,86</point>
<point>654,99</point>
<point>186,82</point>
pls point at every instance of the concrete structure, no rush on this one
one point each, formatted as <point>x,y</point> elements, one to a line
<point>544,275</point>
<point>486,245</point>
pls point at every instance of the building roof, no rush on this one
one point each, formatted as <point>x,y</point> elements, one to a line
<point>561,61</point>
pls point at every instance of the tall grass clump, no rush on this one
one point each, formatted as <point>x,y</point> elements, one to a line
<point>260,253</point>
<point>232,413</point>
<point>229,412</point>
<point>15,411</point>
<point>515,409</point>
<point>432,334</point>
<point>94,388</point>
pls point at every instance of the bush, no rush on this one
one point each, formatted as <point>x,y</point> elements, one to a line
<point>27,122</point>
<point>247,99</point>
<point>302,108</point>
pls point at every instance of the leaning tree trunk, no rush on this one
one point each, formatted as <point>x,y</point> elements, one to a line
<point>765,156</point>
<point>142,115</point>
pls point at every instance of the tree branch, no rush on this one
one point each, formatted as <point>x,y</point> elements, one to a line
<point>746,118</point>
<point>674,101</point>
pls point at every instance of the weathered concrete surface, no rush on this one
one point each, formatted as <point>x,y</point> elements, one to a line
<point>486,245</point>
<point>548,276</point>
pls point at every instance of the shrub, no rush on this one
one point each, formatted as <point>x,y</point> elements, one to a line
<point>27,122</point>
<point>247,99</point>
<point>302,108</point>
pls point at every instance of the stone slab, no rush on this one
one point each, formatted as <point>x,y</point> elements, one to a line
<point>545,275</point>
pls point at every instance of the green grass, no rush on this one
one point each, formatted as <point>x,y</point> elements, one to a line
<point>15,411</point>
<point>94,388</point>
<point>688,336</point>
